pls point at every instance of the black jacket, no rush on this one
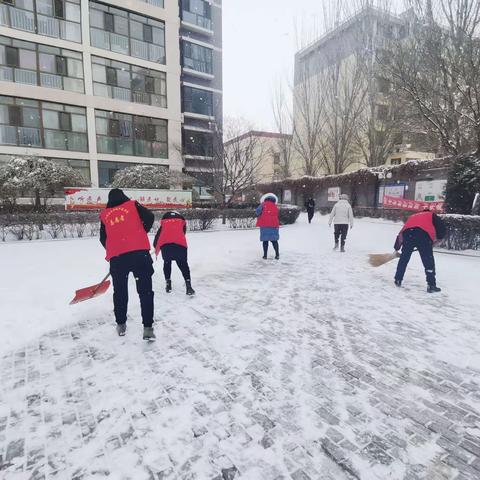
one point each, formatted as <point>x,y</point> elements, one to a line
<point>115,198</point>
<point>310,204</point>
<point>165,217</point>
<point>440,231</point>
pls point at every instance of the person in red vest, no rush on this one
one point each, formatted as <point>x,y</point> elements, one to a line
<point>268,221</point>
<point>171,240</point>
<point>420,232</point>
<point>124,234</point>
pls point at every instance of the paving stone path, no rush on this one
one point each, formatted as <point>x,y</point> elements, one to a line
<point>277,371</point>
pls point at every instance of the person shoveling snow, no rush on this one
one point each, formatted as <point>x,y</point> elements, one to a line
<point>123,232</point>
<point>419,233</point>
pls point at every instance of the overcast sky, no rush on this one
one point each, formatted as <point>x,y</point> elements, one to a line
<point>260,38</point>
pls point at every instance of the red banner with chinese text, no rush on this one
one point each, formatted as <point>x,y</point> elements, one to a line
<point>411,205</point>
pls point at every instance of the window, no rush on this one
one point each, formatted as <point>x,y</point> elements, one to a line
<point>111,76</point>
<point>149,84</point>
<point>65,121</point>
<point>123,134</point>
<point>59,9</point>
<point>11,55</point>
<point>383,112</point>
<point>10,2</point>
<point>108,22</point>
<point>15,115</point>
<point>383,85</point>
<point>147,34</point>
<point>113,127</point>
<point>198,101</point>
<point>42,65</point>
<point>197,12</point>
<point>276,159</point>
<point>197,144</point>
<point>133,83</point>
<point>61,65</point>
<point>25,122</point>
<point>396,161</point>
<point>197,57</point>
<point>127,33</point>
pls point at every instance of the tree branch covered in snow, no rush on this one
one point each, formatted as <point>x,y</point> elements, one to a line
<point>36,177</point>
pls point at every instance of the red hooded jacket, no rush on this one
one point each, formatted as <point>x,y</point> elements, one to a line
<point>269,215</point>
<point>124,229</point>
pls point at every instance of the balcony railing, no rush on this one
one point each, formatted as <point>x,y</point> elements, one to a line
<point>121,94</point>
<point>8,135</point>
<point>29,136</point>
<point>199,20</point>
<point>157,3</point>
<point>28,77</point>
<point>17,18</point>
<point>50,80</point>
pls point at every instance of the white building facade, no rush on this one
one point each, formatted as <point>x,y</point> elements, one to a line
<point>95,85</point>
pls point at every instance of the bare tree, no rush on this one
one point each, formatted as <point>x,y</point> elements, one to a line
<point>437,70</point>
<point>309,120</point>
<point>345,89</point>
<point>282,115</point>
<point>237,161</point>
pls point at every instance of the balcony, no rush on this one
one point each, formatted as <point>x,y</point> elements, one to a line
<point>17,18</point>
<point>205,24</point>
<point>155,3</point>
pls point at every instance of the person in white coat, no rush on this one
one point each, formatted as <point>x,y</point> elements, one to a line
<point>342,218</point>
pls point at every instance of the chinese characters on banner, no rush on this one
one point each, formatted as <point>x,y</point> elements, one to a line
<point>411,205</point>
<point>97,198</point>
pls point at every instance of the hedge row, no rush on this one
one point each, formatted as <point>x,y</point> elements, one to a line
<point>33,226</point>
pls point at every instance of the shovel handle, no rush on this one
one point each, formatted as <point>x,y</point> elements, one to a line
<point>98,286</point>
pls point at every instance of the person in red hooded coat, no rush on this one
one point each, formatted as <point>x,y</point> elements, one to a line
<point>269,223</point>
<point>124,234</point>
<point>171,240</point>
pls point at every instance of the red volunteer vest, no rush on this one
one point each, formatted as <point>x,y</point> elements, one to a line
<point>423,220</point>
<point>172,232</point>
<point>269,215</point>
<point>125,232</point>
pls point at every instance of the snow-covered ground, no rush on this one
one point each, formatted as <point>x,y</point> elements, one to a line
<point>315,366</point>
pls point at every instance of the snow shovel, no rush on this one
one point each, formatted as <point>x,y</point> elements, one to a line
<point>379,259</point>
<point>90,292</point>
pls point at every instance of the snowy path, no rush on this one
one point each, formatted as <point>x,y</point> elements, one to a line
<point>314,367</point>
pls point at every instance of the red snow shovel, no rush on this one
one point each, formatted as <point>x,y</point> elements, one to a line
<point>91,292</point>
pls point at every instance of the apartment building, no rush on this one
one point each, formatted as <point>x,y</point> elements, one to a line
<point>201,82</point>
<point>370,31</point>
<point>99,85</point>
<point>262,154</point>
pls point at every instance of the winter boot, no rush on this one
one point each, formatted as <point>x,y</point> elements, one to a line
<point>433,289</point>
<point>398,283</point>
<point>168,286</point>
<point>264,257</point>
<point>277,256</point>
<point>189,290</point>
<point>336,246</point>
<point>148,334</point>
<point>342,248</point>
<point>121,329</point>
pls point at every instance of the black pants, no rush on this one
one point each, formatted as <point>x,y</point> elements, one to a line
<point>173,252</point>
<point>311,213</point>
<point>340,230</point>
<point>416,238</point>
<point>275,247</point>
<point>140,264</point>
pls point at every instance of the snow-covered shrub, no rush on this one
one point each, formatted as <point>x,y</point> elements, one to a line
<point>200,219</point>
<point>463,232</point>
<point>288,214</point>
<point>462,185</point>
<point>35,177</point>
<point>150,177</point>
<point>54,225</point>
<point>238,219</point>
<point>5,222</point>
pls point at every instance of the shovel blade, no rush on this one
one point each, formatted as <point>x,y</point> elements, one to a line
<point>88,293</point>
